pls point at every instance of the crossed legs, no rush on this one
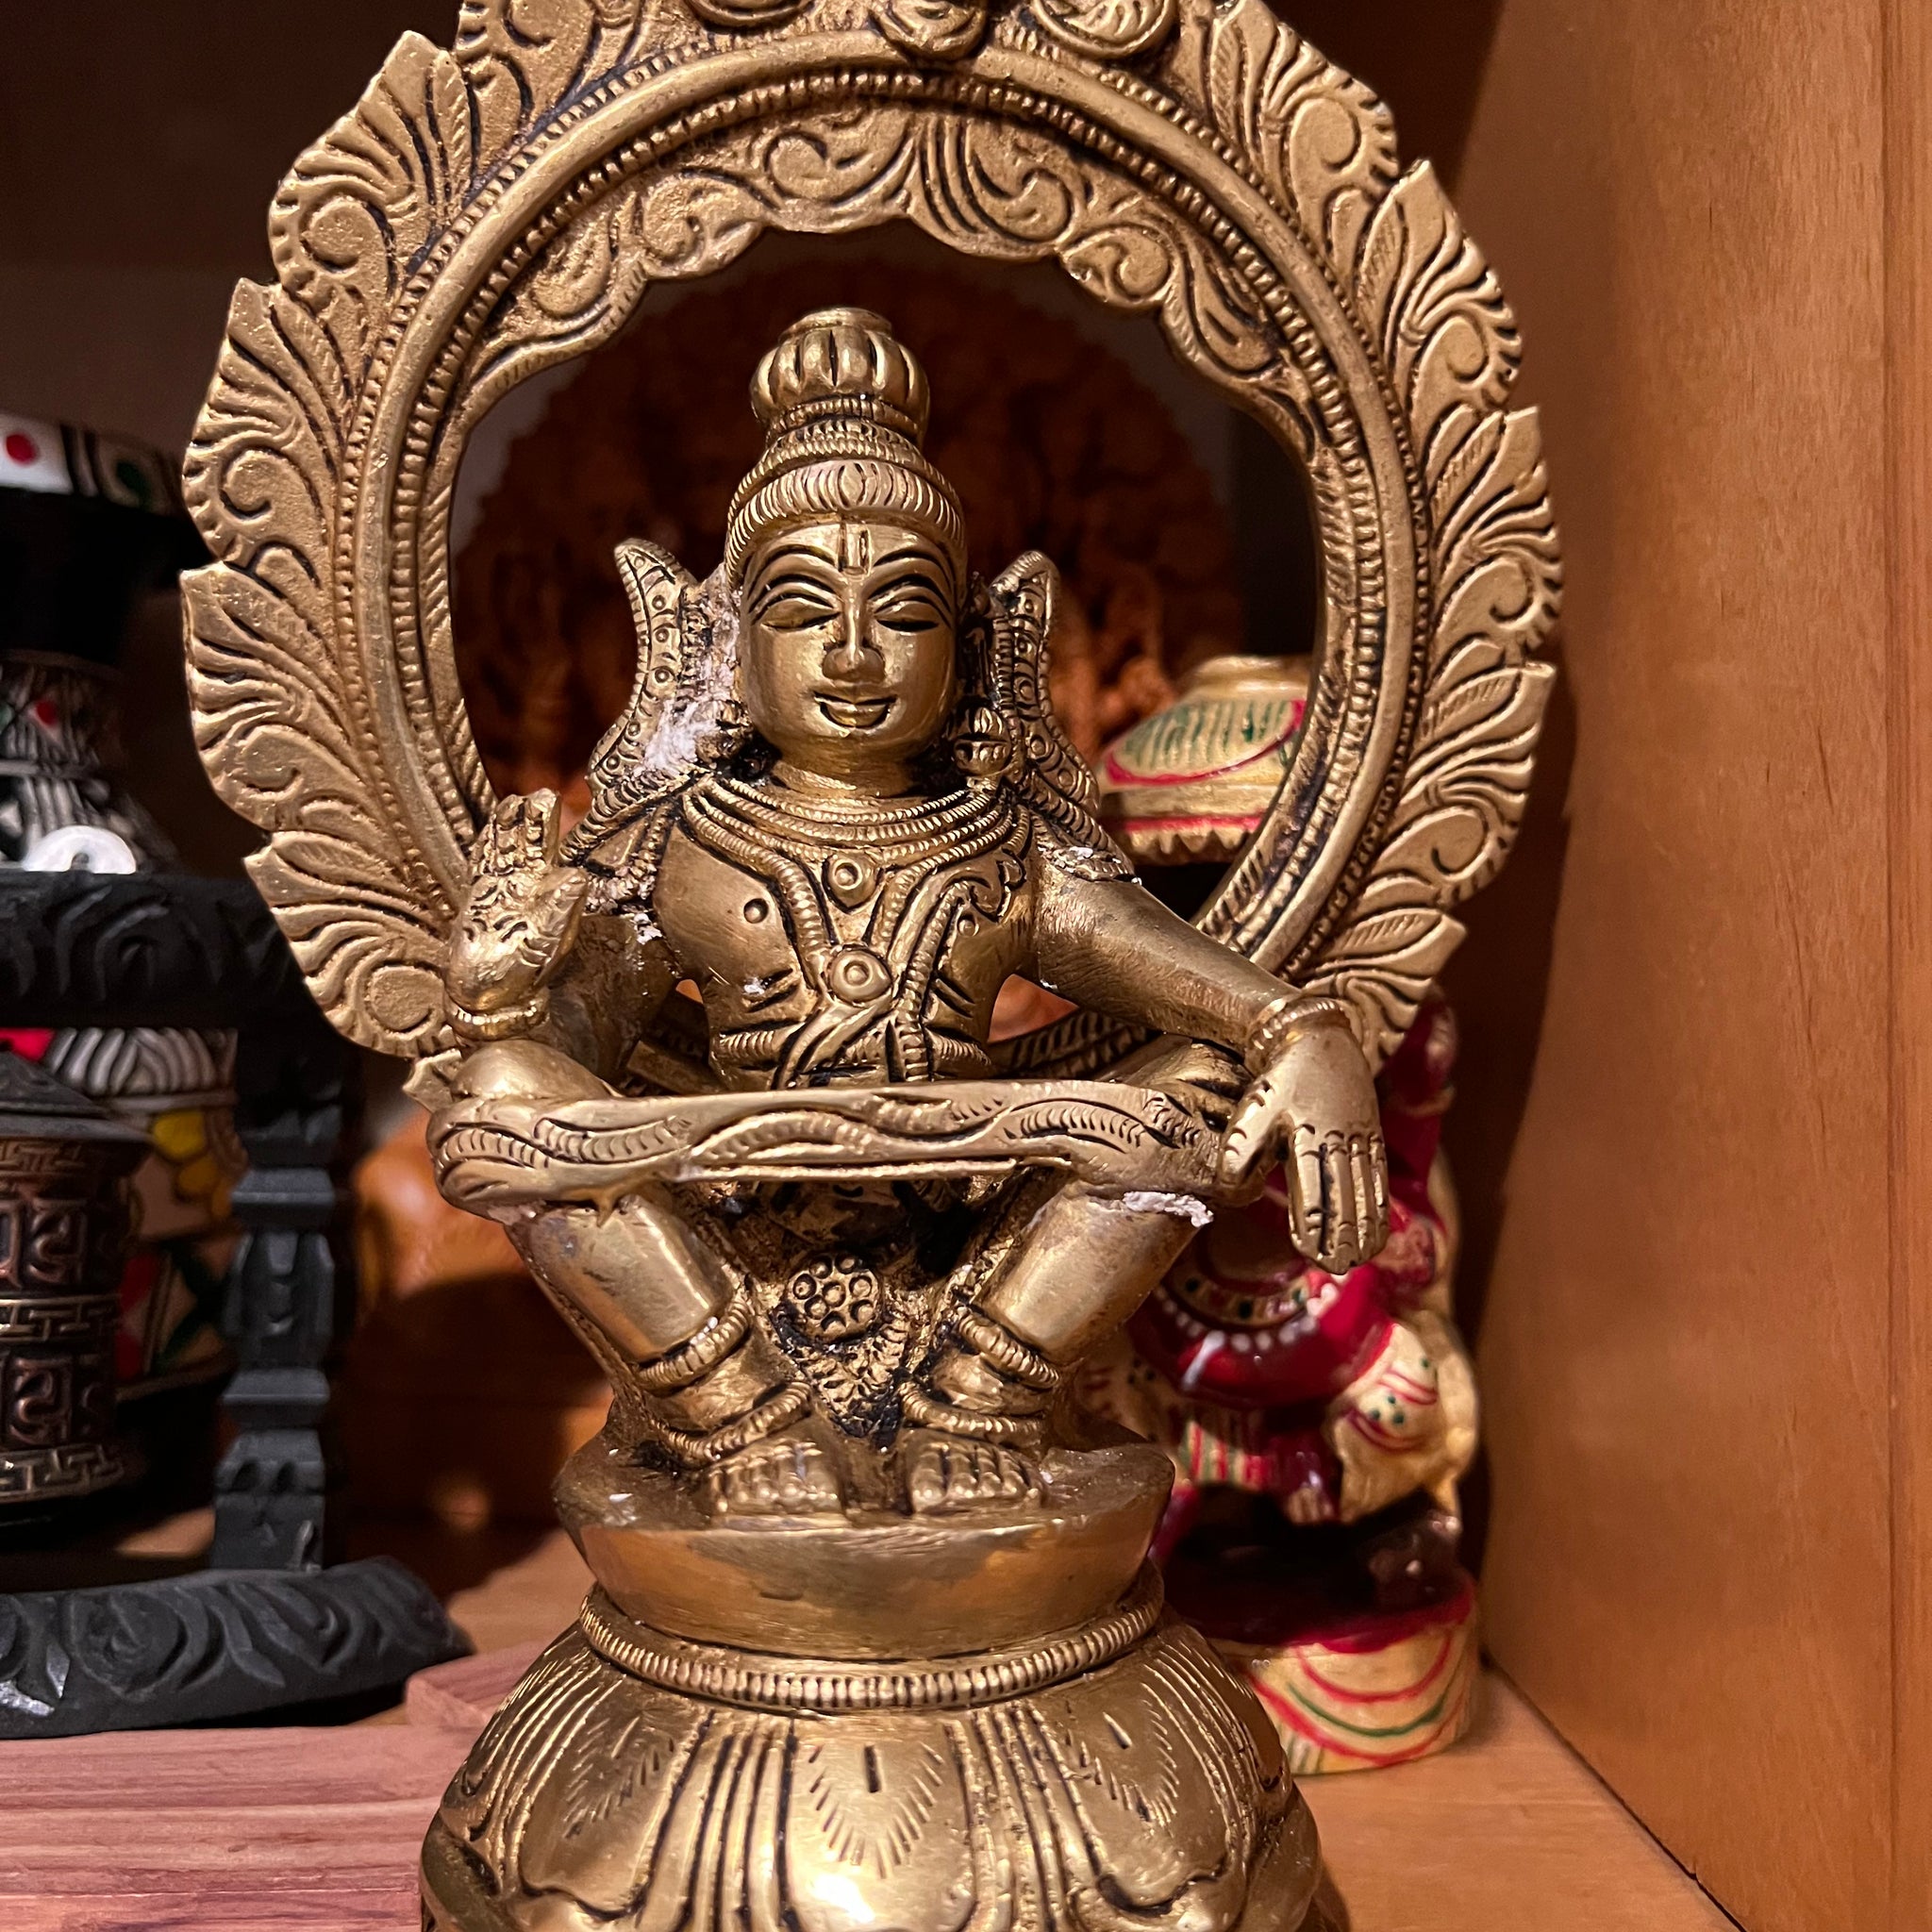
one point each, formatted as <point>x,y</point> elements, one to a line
<point>673,1319</point>
<point>715,1393</point>
<point>1079,1263</point>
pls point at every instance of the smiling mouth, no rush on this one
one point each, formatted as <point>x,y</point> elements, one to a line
<point>855,714</point>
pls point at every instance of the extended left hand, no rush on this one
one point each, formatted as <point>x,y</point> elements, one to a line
<point>1313,1109</point>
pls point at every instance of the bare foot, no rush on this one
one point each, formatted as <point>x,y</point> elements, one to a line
<point>789,1473</point>
<point>946,1472</point>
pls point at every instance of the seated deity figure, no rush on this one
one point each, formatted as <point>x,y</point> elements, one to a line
<point>840,809</point>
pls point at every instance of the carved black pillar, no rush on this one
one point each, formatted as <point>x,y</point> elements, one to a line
<point>290,1294</point>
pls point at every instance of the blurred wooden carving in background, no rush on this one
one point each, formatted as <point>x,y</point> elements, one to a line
<point>1053,442</point>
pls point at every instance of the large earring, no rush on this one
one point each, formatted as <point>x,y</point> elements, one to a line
<point>983,742</point>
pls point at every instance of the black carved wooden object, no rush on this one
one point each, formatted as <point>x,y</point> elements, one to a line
<point>269,1623</point>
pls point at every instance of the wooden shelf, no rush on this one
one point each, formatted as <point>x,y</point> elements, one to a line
<point>265,1829</point>
<point>1510,1829</point>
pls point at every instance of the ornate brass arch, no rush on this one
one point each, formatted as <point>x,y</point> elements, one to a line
<point>502,205</point>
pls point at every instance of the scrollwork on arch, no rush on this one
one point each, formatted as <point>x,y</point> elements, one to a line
<point>489,210</point>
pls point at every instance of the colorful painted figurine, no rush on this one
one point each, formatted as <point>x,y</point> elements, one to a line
<point>1318,1423</point>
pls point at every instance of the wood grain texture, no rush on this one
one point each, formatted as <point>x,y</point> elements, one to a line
<point>1684,1347</point>
<point>240,1830</point>
<point>269,1830</point>
<point>1508,1829</point>
<point>1908,415</point>
<point>464,1694</point>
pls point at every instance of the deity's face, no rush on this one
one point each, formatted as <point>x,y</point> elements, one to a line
<point>847,657</point>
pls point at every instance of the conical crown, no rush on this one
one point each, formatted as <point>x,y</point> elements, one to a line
<point>843,403</point>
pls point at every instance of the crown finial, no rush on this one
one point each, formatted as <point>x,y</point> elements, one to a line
<point>843,403</point>
<point>840,362</point>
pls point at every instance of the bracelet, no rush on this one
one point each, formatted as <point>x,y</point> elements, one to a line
<point>989,1337</point>
<point>698,1448</point>
<point>1293,1013</point>
<point>699,1354</point>
<point>930,1412</point>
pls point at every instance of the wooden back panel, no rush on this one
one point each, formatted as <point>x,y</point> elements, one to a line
<point>1691,1250</point>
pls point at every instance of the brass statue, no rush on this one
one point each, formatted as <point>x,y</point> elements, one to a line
<point>840,1295</point>
<point>840,806</point>
<point>873,1641</point>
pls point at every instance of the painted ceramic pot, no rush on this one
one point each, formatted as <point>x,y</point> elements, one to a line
<point>88,524</point>
<point>1193,781</point>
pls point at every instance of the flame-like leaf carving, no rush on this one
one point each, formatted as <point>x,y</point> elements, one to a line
<point>1433,315</point>
<point>301,731</point>
<point>1316,139</point>
<point>1353,315</point>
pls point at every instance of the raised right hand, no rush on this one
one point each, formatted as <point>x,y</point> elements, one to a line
<point>519,922</point>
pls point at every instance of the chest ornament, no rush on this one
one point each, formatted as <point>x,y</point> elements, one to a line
<point>857,973</point>
<point>851,878</point>
<point>874,930</point>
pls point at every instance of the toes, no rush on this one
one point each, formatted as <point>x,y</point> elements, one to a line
<point>1014,1476</point>
<point>946,1476</point>
<point>782,1479</point>
<point>791,1479</point>
<point>992,1475</point>
<point>927,1486</point>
